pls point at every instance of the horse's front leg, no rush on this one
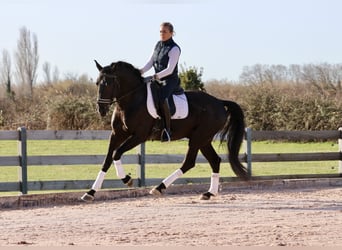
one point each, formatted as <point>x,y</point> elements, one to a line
<point>128,144</point>
<point>114,142</point>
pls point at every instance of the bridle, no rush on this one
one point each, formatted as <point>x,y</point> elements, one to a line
<point>104,82</point>
<point>110,101</point>
<point>105,101</point>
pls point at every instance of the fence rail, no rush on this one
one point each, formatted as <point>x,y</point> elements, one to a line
<point>22,160</point>
<point>297,135</point>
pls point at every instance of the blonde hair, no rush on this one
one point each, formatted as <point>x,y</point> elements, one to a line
<point>169,26</point>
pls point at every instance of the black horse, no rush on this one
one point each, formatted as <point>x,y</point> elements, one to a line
<point>122,84</point>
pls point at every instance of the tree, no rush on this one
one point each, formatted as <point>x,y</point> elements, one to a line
<point>263,73</point>
<point>324,77</point>
<point>55,75</point>
<point>47,72</point>
<point>27,59</point>
<point>5,75</point>
<point>50,77</point>
<point>191,78</point>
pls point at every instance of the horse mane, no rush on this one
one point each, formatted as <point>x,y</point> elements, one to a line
<point>126,65</point>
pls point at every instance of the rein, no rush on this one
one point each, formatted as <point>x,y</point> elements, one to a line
<point>111,101</point>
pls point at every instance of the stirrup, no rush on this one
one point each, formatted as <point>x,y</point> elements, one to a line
<point>165,136</point>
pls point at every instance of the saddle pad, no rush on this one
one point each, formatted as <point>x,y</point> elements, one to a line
<point>181,103</point>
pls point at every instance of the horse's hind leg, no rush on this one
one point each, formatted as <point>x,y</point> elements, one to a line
<point>214,160</point>
<point>188,163</point>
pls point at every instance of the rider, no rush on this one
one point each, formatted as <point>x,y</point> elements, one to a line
<point>164,60</point>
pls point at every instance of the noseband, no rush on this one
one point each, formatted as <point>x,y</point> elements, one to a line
<point>104,101</point>
<point>107,100</point>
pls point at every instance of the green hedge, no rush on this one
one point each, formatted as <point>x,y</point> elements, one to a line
<point>69,105</point>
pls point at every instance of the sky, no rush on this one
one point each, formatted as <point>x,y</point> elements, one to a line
<point>220,36</point>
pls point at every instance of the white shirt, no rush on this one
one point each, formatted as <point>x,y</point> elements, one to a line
<point>173,54</point>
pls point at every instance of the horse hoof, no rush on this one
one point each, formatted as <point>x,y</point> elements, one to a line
<point>154,191</point>
<point>87,197</point>
<point>206,196</point>
<point>130,183</point>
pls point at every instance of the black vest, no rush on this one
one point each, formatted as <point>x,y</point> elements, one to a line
<point>161,58</point>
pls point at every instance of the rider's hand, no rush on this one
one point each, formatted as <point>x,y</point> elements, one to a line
<point>155,77</point>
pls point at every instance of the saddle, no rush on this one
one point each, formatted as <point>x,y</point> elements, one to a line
<point>178,103</point>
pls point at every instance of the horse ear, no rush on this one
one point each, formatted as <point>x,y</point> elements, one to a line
<point>99,67</point>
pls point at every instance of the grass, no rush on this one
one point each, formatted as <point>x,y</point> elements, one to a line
<point>83,172</point>
<point>73,172</point>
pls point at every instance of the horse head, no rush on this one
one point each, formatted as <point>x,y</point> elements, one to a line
<point>107,88</point>
<point>117,82</point>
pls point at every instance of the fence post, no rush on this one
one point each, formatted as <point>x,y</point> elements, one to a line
<point>141,165</point>
<point>340,149</point>
<point>249,151</point>
<point>22,153</point>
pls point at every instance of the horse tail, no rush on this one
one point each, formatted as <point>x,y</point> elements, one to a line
<point>234,130</point>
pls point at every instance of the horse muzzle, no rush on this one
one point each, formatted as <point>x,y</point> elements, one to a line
<point>103,106</point>
<point>103,109</point>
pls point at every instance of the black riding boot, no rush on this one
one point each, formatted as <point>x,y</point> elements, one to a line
<point>166,117</point>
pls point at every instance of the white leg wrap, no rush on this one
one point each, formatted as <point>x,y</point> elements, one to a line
<point>174,176</point>
<point>120,172</point>
<point>99,180</point>
<point>214,183</point>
